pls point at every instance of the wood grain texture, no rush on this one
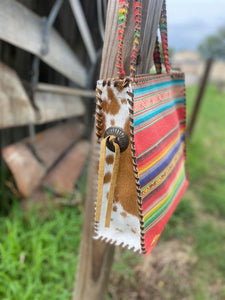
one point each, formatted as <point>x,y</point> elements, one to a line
<point>63,177</point>
<point>25,167</point>
<point>15,107</point>
<point>29,169</point>
<point>23,28</point>
<point>54,142</point>
<point>54,106</point>
<point>96,257</point>
<point>64,90</point>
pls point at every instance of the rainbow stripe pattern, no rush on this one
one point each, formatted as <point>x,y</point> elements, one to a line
<point>159,139</point>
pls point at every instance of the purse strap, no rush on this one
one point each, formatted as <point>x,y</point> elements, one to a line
<point>123,14</point>
<point>164,36</point>
<point>157,57</point>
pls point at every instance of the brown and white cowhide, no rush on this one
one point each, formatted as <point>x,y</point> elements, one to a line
<point>125,225</point>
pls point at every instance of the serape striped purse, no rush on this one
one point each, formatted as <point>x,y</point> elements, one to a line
<point>140,127</point>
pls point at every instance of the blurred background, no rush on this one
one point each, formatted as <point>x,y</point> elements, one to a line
<point>46,118</point>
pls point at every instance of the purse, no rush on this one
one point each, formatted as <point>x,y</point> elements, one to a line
<point>140,127</point>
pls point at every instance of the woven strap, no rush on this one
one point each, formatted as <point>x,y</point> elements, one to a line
<point>164,36</point>
<point>157,57</point>
<point>123,14</point>
<point>137,34</point>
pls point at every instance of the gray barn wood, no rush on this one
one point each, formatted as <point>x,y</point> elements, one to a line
<point>51,102</point>
<point>55,106</point>
<point>23,28</point>
<point>15,106</point>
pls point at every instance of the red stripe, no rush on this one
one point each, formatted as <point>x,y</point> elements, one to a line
<point>155,99</point>
<point>177,90</point>
<point>151,135</point>
<point>181,113</point>
<point>152,197</point>
<point>158,228</point>
<point>158,150</point>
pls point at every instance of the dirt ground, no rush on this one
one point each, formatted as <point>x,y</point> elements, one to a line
<point>164,274</point>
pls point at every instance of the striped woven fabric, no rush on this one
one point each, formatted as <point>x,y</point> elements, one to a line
<point>159,125</point>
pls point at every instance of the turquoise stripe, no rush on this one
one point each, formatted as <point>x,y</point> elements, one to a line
<point>158,87</point>
<point>153,112</point>
<point>157,103</point>
<point>157,119</point>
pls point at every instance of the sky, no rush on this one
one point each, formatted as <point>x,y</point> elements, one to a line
<point>190,21</point>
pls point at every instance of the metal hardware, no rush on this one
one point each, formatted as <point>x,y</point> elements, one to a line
<point>121,138</point>
<point>48,22</point>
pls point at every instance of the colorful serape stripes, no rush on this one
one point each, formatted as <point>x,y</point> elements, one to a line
<point>137,33</point>
<point>122,21</point>
<point>159,136</point>
<point>164,36</point>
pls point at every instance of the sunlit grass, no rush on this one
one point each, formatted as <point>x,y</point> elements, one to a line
<point>38,254</point>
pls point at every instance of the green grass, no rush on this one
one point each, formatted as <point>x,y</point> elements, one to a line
<point>199,218</point>
<point>38,254</point>
<point>206,153</point>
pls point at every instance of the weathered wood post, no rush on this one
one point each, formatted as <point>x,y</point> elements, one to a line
<point>96,257</point>
<point>199,97</point>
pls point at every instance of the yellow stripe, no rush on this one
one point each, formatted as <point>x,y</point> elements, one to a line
<point>163,174</point>
<point>136,41</point>
<point>159,205</point>
<point>148,166</point>
<point>123,10</point>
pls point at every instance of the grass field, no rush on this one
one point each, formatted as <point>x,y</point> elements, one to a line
<point>38,254</point>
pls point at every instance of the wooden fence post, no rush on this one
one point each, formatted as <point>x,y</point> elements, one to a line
<point>96,257</point>
<point>199,98</point>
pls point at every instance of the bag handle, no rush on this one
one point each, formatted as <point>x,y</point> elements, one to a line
<point>123,14</point>
<point>164,36</point>
<point>157,57</point>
